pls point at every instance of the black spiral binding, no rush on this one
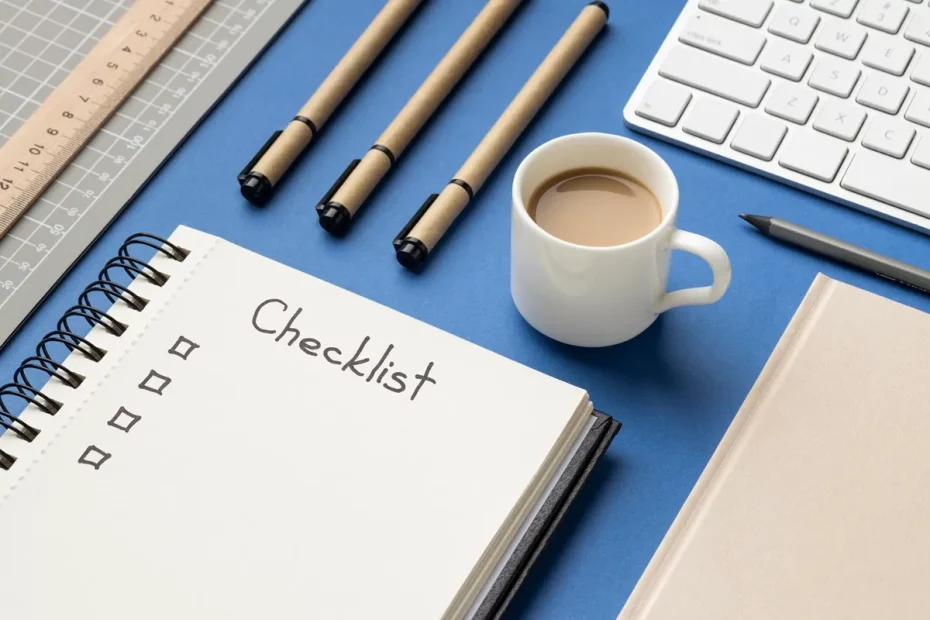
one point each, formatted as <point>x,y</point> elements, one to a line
<point>86,311</point>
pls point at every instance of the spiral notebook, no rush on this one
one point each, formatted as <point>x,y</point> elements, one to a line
<point>815,506</point>
<point>236,439</point>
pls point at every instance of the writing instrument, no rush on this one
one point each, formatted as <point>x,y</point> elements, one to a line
<point>841,251</point>
<point>340,204</point>
<point>428,225</point>
<point>259,177</point>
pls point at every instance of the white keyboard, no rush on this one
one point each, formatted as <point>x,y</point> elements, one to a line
<point>830,96</point>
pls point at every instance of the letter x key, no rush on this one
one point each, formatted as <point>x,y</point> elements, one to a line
<point>840,119</point>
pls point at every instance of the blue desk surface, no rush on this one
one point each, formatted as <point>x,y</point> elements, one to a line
<point>675,388</point>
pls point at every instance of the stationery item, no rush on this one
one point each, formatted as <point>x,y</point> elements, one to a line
<point>843,252</point>
<point>131,145</point>
<point>814,505</point>
<point>259,177</point>
<point>340,204</point>
<point>600,296</point>
<point>34,156</point>
<point>244,455</point>
<point>826,96</point>
<point>421,234</point>
<point>594,206</point>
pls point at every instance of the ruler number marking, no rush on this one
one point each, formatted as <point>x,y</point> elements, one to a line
<point>163,109</point>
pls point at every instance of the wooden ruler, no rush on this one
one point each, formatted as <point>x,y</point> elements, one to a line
<point>45,144</point>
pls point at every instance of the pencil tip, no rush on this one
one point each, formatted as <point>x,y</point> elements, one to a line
<point>759,221</point>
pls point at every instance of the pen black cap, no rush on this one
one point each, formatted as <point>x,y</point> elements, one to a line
<point>602,6</point>
<point>412,254</point>
<point>335,218</point>
<point>257,189</point>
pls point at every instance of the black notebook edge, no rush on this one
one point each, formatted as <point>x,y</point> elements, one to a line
<point>545,523</point>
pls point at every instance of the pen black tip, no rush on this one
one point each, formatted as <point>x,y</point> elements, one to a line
<point>335,219</point>
<point>602,6</point>
<point>257,189</point>
<point>759,221</point>
<point>412,253</point>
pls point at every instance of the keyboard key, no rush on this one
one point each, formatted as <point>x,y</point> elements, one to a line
<point>794,22</point>
<point>711,119</point>
<point>884,15</point>
<point>749,12</point>
<point>883,93</point>
<point>759,136</point>
<point>840,8</point>
<point>919,110</point>
<point>788,60</point>
<point>887,54</point>
<point>889,181</point>
<point>888,136</point>
<point>918,30</point>
<point>835,76</point>
<point>840,119</point>
<point>790,102</point>
<point>841,38</point>
<point>921,72</point>
<point>723,37</point>
<point>664,103</point>
<point>715,75</point>
<point>813,154</point>
<point>922,153</point>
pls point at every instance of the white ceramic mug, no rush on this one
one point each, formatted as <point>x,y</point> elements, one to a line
<point>600,296</point>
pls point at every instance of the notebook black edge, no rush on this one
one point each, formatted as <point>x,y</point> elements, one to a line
<point>550,515</point>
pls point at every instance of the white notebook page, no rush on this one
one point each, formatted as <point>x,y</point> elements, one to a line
<point>263,481</point>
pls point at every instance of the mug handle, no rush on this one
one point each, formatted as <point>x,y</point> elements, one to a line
<point>719,262</point>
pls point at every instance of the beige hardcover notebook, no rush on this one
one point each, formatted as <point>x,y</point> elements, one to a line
<point>816,504</point>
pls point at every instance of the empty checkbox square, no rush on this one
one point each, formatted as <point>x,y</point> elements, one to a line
<point>183,347</point>
<point>94,456</point>
<point>124,420</point>
<point>155,383</point>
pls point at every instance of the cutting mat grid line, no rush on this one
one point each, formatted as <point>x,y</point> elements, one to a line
<point>71,189</point>
<point>34,64</point>
<point>25,72</point>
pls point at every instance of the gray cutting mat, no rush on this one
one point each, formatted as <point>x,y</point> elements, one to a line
<point>40,42</point>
